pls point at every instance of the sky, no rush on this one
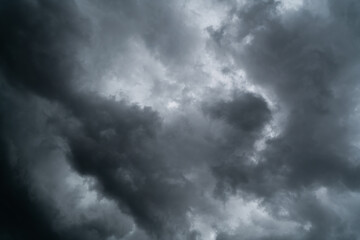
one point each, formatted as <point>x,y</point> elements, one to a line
<point>179,120</point>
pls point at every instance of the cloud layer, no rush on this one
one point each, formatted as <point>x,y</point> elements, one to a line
<point>197,120</point>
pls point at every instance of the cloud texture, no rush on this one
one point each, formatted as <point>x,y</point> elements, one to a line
<point>216,120</point>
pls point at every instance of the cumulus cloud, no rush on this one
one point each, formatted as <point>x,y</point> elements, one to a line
<point>155,120</point>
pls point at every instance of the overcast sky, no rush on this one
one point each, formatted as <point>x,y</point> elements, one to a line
<point>180,120</point>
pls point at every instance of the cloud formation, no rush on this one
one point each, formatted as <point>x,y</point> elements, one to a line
<point>214,120</point>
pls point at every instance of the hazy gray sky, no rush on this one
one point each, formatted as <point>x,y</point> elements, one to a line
<point>179,120</point>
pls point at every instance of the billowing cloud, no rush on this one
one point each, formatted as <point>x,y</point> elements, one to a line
<point>145,120</point>
<point>307,61</point>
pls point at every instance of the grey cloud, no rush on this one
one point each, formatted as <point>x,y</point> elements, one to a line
<point>308,61</point>
<point>245,111</point>
<point>306,71</point>
<point>116,24</point>
<point>112,141</point>
<point>158,175</point>
<point>37,201</point>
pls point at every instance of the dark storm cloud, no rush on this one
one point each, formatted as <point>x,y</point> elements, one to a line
<point>245,111</point>
<point>29,60</point>
<point>38,44</point>
<point>31,148</point>
<point>247,114</point>
<point>308,61</point>
<point>162,174</point>
<point>113,141</point>
<point>114,147</point>
<point>305,64</point>
<point>21,217</point>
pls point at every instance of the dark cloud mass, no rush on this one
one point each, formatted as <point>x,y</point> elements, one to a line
<point>246,112</point>
<point>216,120</point>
